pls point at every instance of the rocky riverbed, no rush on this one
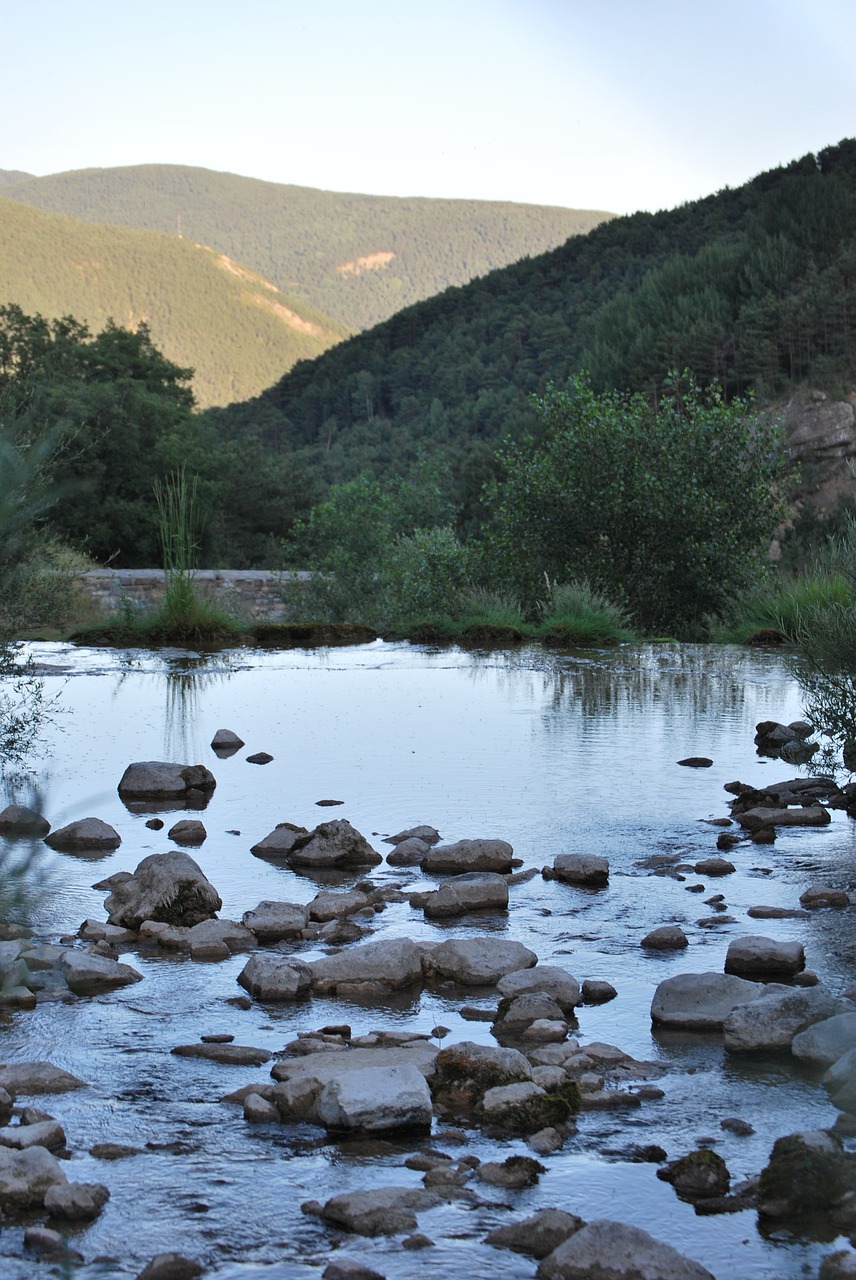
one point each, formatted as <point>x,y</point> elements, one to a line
<point>543,1053</point>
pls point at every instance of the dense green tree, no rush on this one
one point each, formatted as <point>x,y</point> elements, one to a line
<point>664,506</point>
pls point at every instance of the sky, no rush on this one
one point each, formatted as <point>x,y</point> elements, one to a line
<point>616,105</point>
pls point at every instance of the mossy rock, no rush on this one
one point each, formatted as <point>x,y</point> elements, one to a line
<point>545,1111</point>
<point>698,1176</point>
<point>807,1173</point>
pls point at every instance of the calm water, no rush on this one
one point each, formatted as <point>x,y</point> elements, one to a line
<point>556,753</point>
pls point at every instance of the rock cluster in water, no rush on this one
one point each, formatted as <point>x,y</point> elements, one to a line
<point>530,1086</point>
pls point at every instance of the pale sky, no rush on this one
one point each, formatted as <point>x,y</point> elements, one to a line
<point>603,104</point>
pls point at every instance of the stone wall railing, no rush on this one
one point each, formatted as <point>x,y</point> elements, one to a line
<point>255,594</point>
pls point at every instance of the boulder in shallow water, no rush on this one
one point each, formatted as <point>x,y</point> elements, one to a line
<point>376,1099</point>
<point>160,780</point>
<point>88,974</point>
<point>615,1251</point>
<point>333,845</point>
<point>807,1173</point>
<point>758,957</point>
<point>29,1078</point>
<point>275,921</point>
<point>19,822</point>
<point>278,844</point>
<point>700,1001</point>
<point>26,1177</point>
<point>478,962</point>
<point>88,835</point>
<point>475,891</point>
<point>584,869</point>
<point>272,977</point>
<point>384,965</point>
<point>76,1201</point>
<point>469,855</point>
<point>536,1236</point>
<point>188,831</point>
<point>770,1022</point>
<point>547,978</point>
<point>167,887</point>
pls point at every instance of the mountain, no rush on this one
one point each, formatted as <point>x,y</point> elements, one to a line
<point>205,311</point>
<point>9,177</point>
<point>357,258</point>
<point>754,288</point>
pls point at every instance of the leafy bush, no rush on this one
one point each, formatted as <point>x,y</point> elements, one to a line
<point>667,506</point>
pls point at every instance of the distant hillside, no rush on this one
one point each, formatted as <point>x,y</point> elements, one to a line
<point>205,311</point>
<point>10,176</point>
<point>357,258</point>
<point>754,288</point>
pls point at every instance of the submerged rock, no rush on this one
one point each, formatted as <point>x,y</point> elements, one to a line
<point>536,1236</point>
<point>384,1211</point>
<point>29,1078</point>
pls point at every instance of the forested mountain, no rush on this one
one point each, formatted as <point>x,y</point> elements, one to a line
<point>357,258</point>
<point>10,176</point>
<point>754,288</point>
<point>204,311</point>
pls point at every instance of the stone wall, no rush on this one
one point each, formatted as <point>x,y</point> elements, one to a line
<point>253,594</point>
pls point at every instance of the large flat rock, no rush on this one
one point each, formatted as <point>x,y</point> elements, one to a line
<point>700,1001</point>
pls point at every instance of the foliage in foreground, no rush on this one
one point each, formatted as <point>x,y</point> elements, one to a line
<point>663,507</point>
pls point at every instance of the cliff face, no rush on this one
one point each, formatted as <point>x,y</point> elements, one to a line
<point>821,436</point>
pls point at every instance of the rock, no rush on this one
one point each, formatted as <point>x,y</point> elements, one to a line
<point>514,1172</point>
<point>581,868</point>
<point>157,780</point>
<point>805,816</point>
<point>549,979</point>
<point>98,931</point>
<point>17,821</point>
<point>840,1265</point>
<point>333,844</point>
<point>87,974</point>
<point>770,1022</point>
<point>700,1001</point>
<point>669,937</point>
<point>464,1072</point>
<point>217,939</point>
<point>257,1110</point>
<point>47,1133</point>
<point>516,1013</point>
<point>226,740</point>
<point>428,834</point>
<point>475,891</point>
<point>170,1266</point>
<point>260,757</point>
<point>615,1251</point>
<point>825,1042</point>
<point>377,1099</point>
<point>696,762</point>
<point>698,1176</point>
<point>167,887</point>
<point>232,1055</point>
<point>776,913</point>
<point>26,1177</point>
<point>469,855</point>
<point>383,1211</point>
<point>536,1236</point>
<point>188,831</point>
<point>279,843</point>
<point>807,1173</point>
<point>409,853</point>
<point>526,1107</point>
<point>840,1082</point>
<point>30,1078</point>
<point>7,1102</point>
<point>823,895</point>
<point>714,867</point>
<point>334,906</point>
<point>50,1245</point>
<point>479,961</point>
<point>275,921</point>
<point>756,956</point>
<point>349,1269</point>
<point>113,1151</point>
<point>88,835</point>
<point>385,965</point>
<point>597,991</point>
<point>275,977</point>
<point>76,1201</point>
<point>301,1080</point>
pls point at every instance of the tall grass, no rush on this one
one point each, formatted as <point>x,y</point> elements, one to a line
<point>787,606</point>
<point>575,613</point>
